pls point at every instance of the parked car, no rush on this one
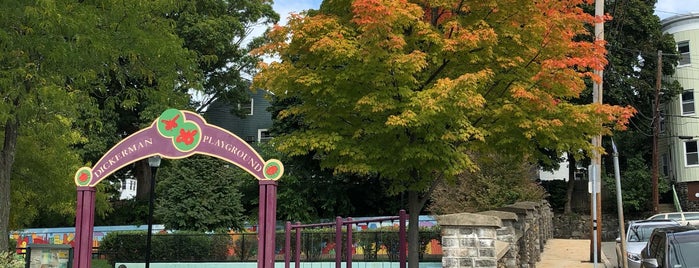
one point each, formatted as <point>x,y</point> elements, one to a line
<point>684,218</point>
<point>636,237</point>
<point>670,247</point>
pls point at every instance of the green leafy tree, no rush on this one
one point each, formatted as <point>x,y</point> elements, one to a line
<point>56,56</point>
<point>220,34</point>
<point>43,193</point>
<point>200,193</point>
<point>407,90</point>
<point>333,194</point>
<point>146,72</point>
<point>635,182</point>
<point>213,35</point>
<point>124,212</point>
<point>634,37</point>
<point>37,59</point>
<point>499,181</point>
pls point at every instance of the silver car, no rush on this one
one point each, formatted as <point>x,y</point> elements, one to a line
<point>684,218</point>
<point>636,238</point>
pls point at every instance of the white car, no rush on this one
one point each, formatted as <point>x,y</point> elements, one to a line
<point>684,218</point>
<point>636,238</point>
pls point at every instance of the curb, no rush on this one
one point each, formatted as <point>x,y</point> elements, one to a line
<point>605,261</point>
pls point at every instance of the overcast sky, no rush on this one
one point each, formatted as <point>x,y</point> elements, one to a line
<point>664,8</point>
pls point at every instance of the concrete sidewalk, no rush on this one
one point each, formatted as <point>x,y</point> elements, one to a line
<point>569,253</point>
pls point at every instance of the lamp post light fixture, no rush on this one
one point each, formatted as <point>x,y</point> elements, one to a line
<point>154,163</point>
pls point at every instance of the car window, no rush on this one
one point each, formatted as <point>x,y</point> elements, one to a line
<point>656,217</point>
<point>655,247</point>
<point>674,216</point>
<point>641,233</point>
<point>691,216</point>
<point>682,254</point>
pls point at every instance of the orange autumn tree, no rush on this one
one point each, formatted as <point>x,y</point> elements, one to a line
<point>406,89</point>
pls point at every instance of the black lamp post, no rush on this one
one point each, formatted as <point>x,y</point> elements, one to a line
<point>154,163</point>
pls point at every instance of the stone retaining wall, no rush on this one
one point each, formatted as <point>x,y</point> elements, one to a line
<point>688,200</point>
<point>511,236</point>
<point>577,226</point>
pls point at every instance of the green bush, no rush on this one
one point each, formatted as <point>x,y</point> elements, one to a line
<point>8,259</point>
<point>97,263</point>
<point>369,241</point>
<point>557,190</point>
<point>180,246</point>
<point>373,240</point>
<point>127,246</point>
<point>194,246</point>
<point>12,245</point>
<point>220,243</point>
<point>314,240</point>
<point>245,246</point>
<point>426,235</point>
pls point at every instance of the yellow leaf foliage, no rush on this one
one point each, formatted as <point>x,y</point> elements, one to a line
<point>406,87</point>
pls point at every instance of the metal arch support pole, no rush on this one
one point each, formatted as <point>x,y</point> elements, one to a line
<point>338,242</point>
<point>84,222</point>
<point>402,243</point>
<point>267,222</point>
<point>287,245</point>
<point>349,245</point>
<point>297,259</point>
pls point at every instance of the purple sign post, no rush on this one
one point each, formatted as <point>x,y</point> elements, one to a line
<point>178,134</point>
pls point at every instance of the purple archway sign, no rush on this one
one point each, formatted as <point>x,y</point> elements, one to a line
<point>179,134</point>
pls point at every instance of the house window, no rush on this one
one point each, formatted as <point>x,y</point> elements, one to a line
<point>691,153</point>
<point>246,107</point>
<point>263,135</point>
<point>666,165</point>
<point>688,102</point>
<point>683,49</point>
<point>662,122</point>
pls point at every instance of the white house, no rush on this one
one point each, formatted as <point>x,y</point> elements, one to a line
<point>128,189</point>
<point>678,145</point>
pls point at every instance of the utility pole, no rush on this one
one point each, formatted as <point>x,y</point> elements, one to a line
<point>656,132</point>
<point>596,170</point>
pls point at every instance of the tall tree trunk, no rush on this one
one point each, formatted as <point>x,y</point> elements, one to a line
<point>416,202</point>
<point>7,159</point>
<point>571,184</point>
<point>142,174</point>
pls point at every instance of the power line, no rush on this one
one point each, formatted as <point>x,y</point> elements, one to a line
<point>669,12</point>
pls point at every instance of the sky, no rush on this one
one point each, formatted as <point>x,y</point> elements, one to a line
<point>285,7</point>
<point>669,8</point>
<point>663,8</point>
